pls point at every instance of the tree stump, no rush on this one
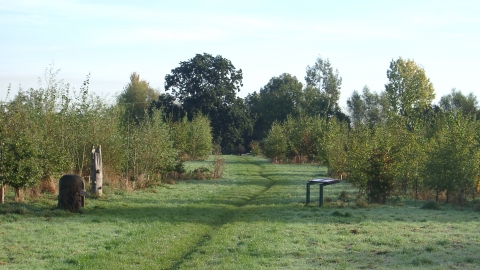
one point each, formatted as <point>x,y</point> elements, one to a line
<point>96,171</point>
<point>71,195</point>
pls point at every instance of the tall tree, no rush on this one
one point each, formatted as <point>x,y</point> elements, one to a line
<point>356,108</point>
<point>327,82</point>
<point>368,107</point>
<point>137,97</point>
<point>409,89</point>
<point>458,102</point>
<point>280,97</point>
<point>208,85</point>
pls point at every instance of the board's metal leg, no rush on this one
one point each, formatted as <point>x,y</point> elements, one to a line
<point>308,193</point>
<point>320,200</point>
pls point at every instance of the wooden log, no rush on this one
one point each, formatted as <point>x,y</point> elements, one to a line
<point>71,194</point>
<point>96,171</point>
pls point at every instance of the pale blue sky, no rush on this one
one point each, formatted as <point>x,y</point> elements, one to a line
<point>112,39</point>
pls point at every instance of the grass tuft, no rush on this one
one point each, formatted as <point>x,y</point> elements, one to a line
<point>361,203</point>
<point>422,261</point>
<point>343,196</point>
<point>337,213</point>
<point>429,248</point>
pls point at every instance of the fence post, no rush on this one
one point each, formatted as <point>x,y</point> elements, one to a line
<point>96,171</point>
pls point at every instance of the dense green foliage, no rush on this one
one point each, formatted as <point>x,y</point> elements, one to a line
<point>136,98</point>
<point>398,143</point>
<point>453,162</point>
<point>208,85</point>
<point>285,96</point>
<point>408,89</point>
<point>326,85</point>
<point>279,98</point>
<point>48,131</point>
<point>192,139</point>
<point>367,108</point>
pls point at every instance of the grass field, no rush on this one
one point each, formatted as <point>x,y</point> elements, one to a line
<point>253,218</point>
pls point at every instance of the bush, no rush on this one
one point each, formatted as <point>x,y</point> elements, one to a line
<point>193,139</point>
<point>276,143</point>
<point>201,173</point>
<point>380,182</point>
<point>218,164</point>
<point>431,205</point>
<point>255,148</point>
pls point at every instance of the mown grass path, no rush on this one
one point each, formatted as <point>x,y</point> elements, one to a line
<point>253,218</point>
<point>254,172</point>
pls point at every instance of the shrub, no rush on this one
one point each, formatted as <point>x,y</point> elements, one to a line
<point>380,182</point>
<point>201,173</point>
<point>218,164</point>
<point>255,148</point>
<point>276,143</point>
<point>193,139</point>
<point>431,205</point>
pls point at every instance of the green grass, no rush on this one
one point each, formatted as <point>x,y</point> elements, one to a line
<point>253,218</point>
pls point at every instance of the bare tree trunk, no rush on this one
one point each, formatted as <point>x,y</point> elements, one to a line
<point>96,171</point>
<point>2,194</point>
<point>416,189</point>
<point>18,195</point>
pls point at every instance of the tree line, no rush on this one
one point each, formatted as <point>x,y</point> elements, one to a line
<point>48,131</point>
<point>384,143</point>
<point>395,142</point>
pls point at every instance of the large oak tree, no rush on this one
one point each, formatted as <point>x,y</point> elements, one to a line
<point>280,97</point>
<point>208,85</point>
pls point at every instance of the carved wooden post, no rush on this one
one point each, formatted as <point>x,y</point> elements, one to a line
<point>96,170</point>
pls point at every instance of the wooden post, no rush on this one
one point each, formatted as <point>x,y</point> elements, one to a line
<point>96,171</point>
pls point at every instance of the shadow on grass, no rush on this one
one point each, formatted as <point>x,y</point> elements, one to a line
<point>259,198</point>
<point>295,213</point>
<point>224,211</point>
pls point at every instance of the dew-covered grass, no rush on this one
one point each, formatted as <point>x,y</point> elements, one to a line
<point>255,217</point>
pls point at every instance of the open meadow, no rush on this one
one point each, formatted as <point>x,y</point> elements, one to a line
<point>253,218</point>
